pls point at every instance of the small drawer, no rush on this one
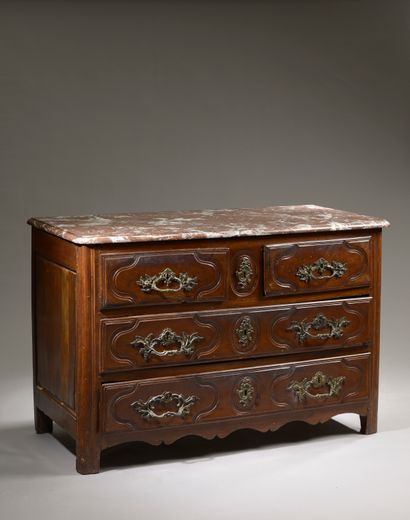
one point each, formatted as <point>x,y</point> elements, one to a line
<point>316,266</point>
<point>166,277</point>
<point>188,400</point>
<point>190,338</point>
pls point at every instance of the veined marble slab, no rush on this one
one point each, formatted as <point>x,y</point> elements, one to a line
<point>212,223</point>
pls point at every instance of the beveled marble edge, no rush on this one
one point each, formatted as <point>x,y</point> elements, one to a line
<point>203,224</point>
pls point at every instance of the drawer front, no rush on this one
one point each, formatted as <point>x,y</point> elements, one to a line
<point>189,338</point>
<point>194,399</point>
<point>152,278</point>
<point>308,267</point>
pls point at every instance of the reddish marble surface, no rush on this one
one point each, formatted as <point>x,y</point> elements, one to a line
<point>185,225</point>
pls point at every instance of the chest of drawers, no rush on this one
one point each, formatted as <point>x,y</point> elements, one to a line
<point>152,326</point>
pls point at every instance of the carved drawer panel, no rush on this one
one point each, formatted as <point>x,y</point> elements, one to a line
<point>188,338</point>
<point>152,278</point>
<point>308,267</point>
<point>308,327</point>
<point>193,399</point>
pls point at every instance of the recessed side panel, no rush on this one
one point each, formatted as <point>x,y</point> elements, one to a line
<point>55,329</point>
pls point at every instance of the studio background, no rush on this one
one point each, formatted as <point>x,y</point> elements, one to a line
<point>115,106</point>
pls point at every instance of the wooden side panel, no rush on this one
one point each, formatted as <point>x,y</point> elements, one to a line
<point>55,329</point>
<point>55,249</point>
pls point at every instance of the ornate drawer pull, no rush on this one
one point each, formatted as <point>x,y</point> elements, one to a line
<point>303,328</point>
<point>168,278</point>
<point>147,408</point>
<point>147,345</point>
<point>319,380</point>
<point>318,270</point>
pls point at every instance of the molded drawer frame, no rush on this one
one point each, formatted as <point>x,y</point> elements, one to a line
<point>304,267</point>
<point>144,278</point>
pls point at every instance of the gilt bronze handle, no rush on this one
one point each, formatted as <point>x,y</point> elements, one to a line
<point>319,380</point>
<point>321,269</point>
<point>147,408</point>
<point>148,344</point>
<point>335,328</point>
<point>170,281</point>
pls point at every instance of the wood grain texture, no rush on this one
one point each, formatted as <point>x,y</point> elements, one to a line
<point>55,249</point>
<point>217,394</point>
<point>210,430</point>
<point>55,329</point>
<point>249,366</point>
<point>121,275</point>
<point>50,409</point>
<point>54,264</point>
<point>283,264</point>
<point>87,387</point>
<point>369,420</point>
<point>252,295</point>
<point>141,342</point>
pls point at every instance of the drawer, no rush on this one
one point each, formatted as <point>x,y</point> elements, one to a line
<point>315,266</point>
<point>199,398</point>
<point>189,338</point>
<point>151,278</point>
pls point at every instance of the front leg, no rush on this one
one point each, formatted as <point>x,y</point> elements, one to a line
<point>88,459</point>
<point>368,424</point>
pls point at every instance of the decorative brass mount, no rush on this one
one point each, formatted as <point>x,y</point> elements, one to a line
<point>321,269</point>
<point>245,331</point>
<point>183,405</point>
<point>244,273</point>
<point>303,328</point>
<point>246,392</point>
<point>148,345</point>
<point>319,380</point>
<point>169,280</point>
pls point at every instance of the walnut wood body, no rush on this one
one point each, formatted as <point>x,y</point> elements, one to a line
<point>88,310</point>
<point>220,336</point>
<point>218,393</point>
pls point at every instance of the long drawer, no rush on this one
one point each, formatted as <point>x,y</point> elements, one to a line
<point>199,398</point>
<point>190,338</point>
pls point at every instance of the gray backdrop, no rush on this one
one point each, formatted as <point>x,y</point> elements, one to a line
<point>110,106</point>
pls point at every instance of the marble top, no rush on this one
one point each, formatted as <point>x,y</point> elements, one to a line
<point>212,223</point>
